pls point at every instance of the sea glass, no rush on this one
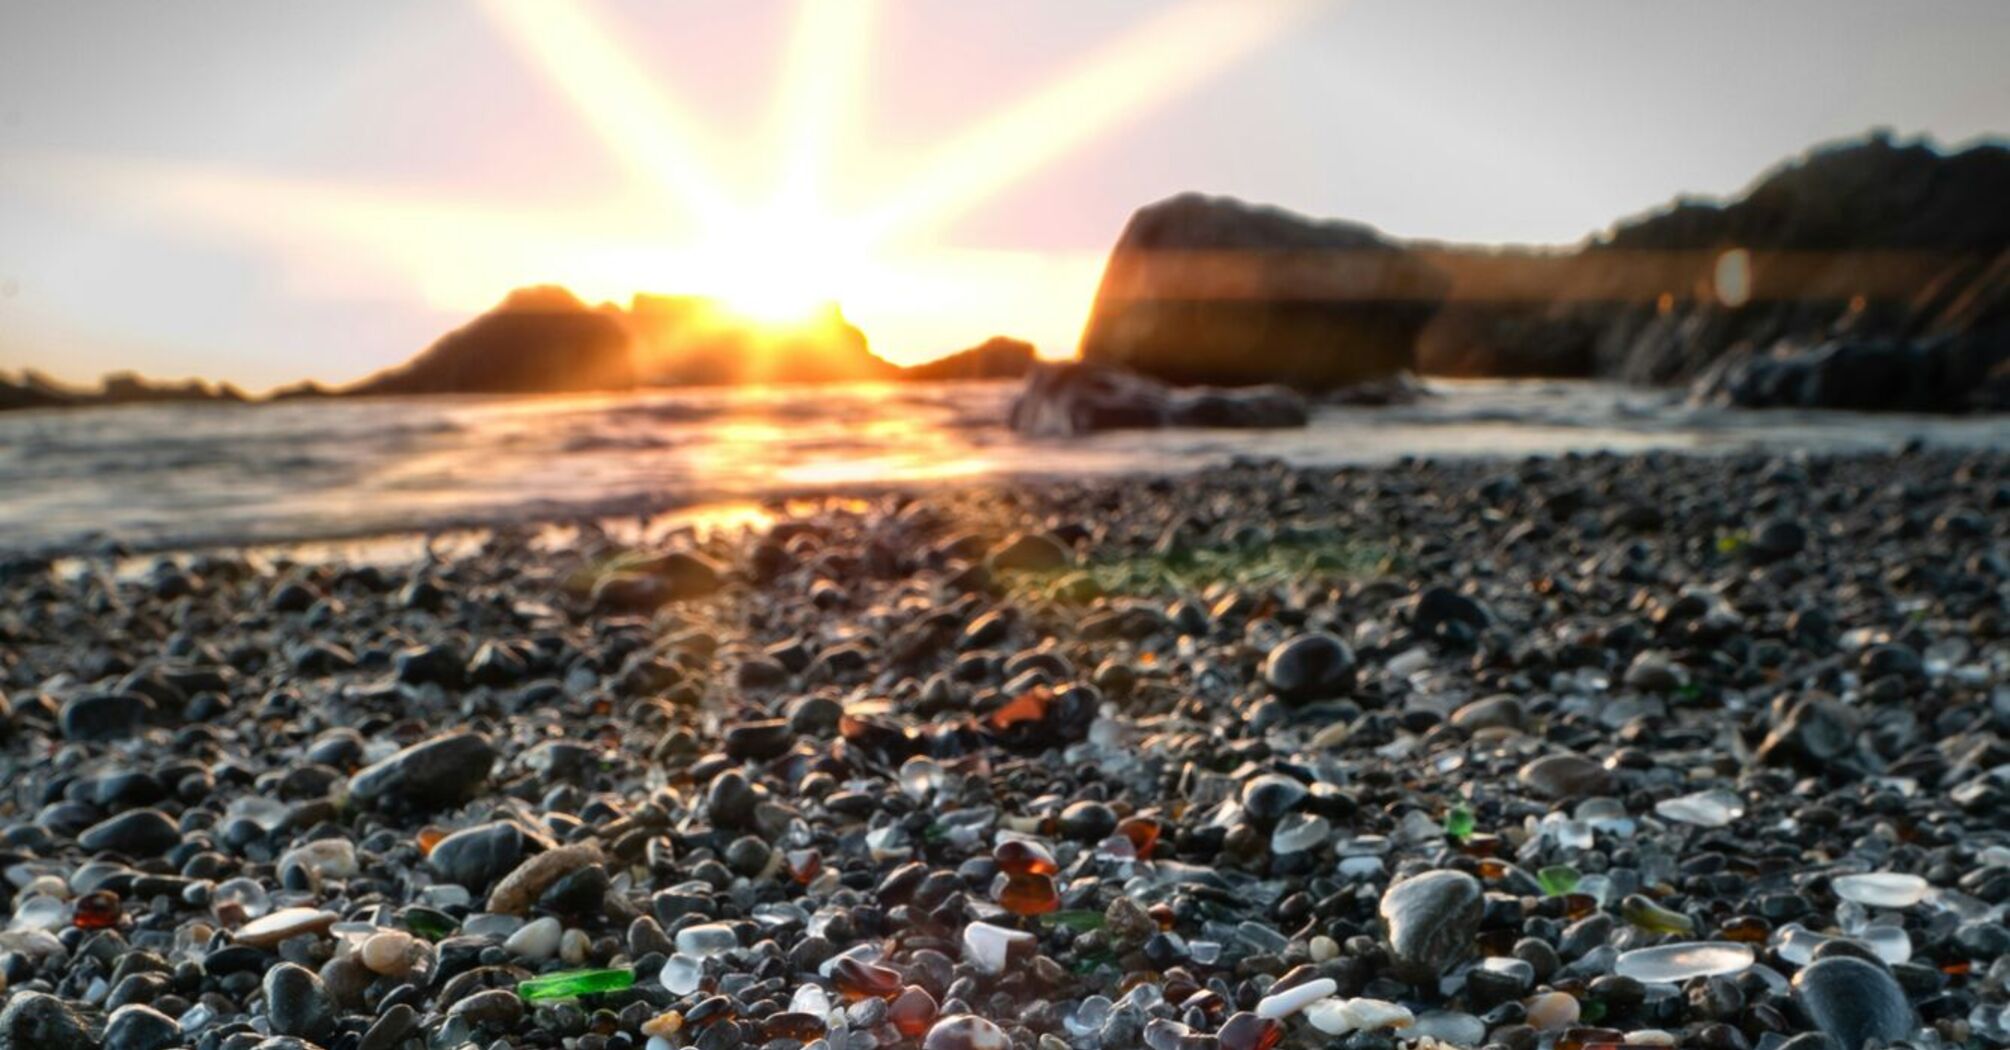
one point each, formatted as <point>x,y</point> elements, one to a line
<point>1882,889</point>
<point>574,983</point>
<point>706,940</point>
<point>1710,809</point>
<point>1557,879</point>
<point>1652,917</point>
<point>1675,963</point>
<point>682,974</point>
<point>1298,832</point>
<point>919,777</point>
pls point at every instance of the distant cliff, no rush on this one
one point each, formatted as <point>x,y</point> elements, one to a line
<point>688,340</point>
<point>999,357</point>
<point>35,390</point>
<point>537,340</point>
<point>544,339</point>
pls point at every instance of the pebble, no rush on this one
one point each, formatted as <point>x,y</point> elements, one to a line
<point>389,952</point>
<point>1262,758</point>
<point>433,774</point>
<point>1432,919</point>
<point>39,1021</point>
<point>136,1026</point>
<point>136,833</point>
<point>99,717</point>
<point>1567,778</point>
<point>285,924</point>
<point>1310,667</point>
<point>965,1032</point>
<point>477,856</point>
<point>1854,1002</point>
<point>527,882</point>
<point>1552,1010</point>
<point>296,1003</point>
<point>536,941</point>
<point>1296,998</point>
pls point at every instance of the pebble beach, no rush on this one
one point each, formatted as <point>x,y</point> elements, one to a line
<point>1556,753</point>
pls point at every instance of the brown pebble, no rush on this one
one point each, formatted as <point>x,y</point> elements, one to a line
<point>520,888</point>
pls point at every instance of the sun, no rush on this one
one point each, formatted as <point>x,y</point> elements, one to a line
<point>792,254</point>
<point>777,251</point>
<point>780,269</point>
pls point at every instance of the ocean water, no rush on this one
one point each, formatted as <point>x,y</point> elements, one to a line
<point>174,476</point>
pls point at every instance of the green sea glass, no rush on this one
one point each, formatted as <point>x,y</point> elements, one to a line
<point>574,983</point>
<point>1078,921</point>
<point>1652,917</point>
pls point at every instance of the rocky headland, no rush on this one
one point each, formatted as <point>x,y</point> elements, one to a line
<point>1866,275</point>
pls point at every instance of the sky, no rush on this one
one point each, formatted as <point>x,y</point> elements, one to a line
<point>268,191</point>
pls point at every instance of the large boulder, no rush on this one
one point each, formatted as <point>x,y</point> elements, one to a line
<point>1210,290</point>
<point>538,340</point>
<point>1081,397</point>
<point>1863,375</point>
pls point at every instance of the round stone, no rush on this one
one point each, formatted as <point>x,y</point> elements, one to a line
<point>1854,1001</point>
<point>1432,920</point>
<point>297,1004</point>
<point>1567,777</point>
<point>388,952</point>
<point>965,1032</point>
<point>1312,666</point>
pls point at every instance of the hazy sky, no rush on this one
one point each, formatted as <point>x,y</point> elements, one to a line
<point>267,190</point>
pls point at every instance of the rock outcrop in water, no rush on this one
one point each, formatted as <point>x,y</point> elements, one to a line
<point>1081,397</point>
<point>1209,290</point>
<point>537,340</point>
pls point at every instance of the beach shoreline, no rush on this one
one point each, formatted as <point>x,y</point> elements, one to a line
<point>1349,730</point>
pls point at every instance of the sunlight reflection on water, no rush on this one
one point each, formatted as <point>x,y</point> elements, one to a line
<point>167,475</point>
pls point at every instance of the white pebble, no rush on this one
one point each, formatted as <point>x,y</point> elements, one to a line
<point>1298,997</point>
<point>1340,1016</point>
<point>573,946</point>
<point>388,952</point>
<point>537,940</point>
<point>1552,1010</point>
<point>328,858</point>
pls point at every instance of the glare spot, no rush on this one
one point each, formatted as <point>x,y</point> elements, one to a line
<point>1734,277</point>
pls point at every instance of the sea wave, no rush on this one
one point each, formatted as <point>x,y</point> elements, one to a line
<point>163,477</point>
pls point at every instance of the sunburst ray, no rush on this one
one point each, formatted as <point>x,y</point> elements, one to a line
<point>1172,53</point>
<point>622,102</point>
